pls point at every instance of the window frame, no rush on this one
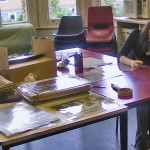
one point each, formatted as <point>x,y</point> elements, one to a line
<point>41,20</point>
<point>38,15</point>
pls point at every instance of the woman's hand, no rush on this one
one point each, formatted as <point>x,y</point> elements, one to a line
<point>136,63</point>
<point>130,62</point>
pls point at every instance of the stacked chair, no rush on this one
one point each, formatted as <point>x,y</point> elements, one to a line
<point>100,32</point>
<point>70,33</point>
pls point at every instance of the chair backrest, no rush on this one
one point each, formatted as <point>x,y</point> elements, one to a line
<point>70,25</point>
<point>100,24</point>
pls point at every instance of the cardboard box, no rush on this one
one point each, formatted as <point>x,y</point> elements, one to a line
<point>43,67</point>
<point>45,46</point>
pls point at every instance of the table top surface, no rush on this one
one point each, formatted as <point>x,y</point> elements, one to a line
<point>136,79</point>
<point>64,124</point>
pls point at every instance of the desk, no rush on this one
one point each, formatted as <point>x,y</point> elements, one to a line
<point>128,24</point>
<point>137,79</point>
<point>64,125</point>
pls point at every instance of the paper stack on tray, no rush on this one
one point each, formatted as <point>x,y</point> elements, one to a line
<point>56,87</point>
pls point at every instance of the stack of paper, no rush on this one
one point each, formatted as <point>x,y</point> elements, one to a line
<point>38,91</point>
<point>6,88</point>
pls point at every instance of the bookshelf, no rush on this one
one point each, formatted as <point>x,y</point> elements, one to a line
<point>125,26</point>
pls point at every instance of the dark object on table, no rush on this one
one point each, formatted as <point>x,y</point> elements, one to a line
<point>24,58</point>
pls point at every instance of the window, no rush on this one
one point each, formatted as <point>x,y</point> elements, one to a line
<point>59,8</point>
<point>117,6</point>
<point>5,16</point>
<point>43,13</point>
<point>18,15</point>
<point>13,11</point>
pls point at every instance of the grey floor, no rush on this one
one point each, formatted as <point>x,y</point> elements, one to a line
<point>99,136</point>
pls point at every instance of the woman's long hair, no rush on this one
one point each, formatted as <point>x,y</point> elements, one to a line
<point>144,38</point>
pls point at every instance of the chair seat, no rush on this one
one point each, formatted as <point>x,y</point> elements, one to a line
<point>107,51</point>
<point>99,36</point>
<point>68,45</point>
<point>69,39</point>
<point>109,48</point>
<point>68,35</point>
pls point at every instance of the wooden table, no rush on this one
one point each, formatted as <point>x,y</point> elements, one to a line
<point>137,80</point>
<point>64,125</point>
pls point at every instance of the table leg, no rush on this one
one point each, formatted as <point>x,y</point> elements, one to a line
<point>124,131</point>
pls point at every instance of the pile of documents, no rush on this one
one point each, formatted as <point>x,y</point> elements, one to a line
<point>56,87</point>
<point>6,88</point>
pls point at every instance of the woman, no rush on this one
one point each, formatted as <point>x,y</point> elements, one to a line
<point>136,52</point>
<point>136,49</point>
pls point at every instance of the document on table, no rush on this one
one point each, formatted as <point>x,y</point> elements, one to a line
<point>96,70</point>
<point>92,62</point>
<point>21,117</point>
<point>78,107</point>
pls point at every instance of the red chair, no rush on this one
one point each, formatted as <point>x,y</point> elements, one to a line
<point>101,33</point>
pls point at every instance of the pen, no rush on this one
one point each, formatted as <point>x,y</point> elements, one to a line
<point>89,68</point>
<point>110,63</point>
<point>98,86</point>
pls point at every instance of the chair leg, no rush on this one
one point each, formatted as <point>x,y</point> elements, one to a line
<point>117,122</point>
<point>115,47</point>
<point>115,50</point>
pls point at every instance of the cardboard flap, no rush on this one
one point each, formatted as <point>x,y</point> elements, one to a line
<point>4,59</point>
<point>44,46</point>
